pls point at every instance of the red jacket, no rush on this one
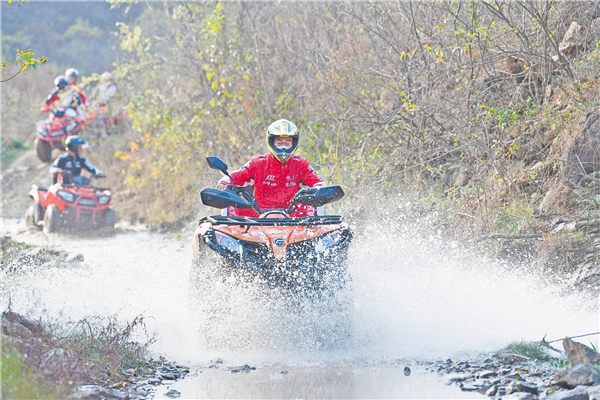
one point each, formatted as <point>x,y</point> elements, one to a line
<point>275,184</point>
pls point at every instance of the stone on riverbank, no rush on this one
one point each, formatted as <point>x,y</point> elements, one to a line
<point>578,353</point>
<point>594,392</point>
<point>573,394</point>
<point>519,386</point>
<point>585,374</point>
<point>520,396</point>
<point>95,392</point>
<point>457,377</point>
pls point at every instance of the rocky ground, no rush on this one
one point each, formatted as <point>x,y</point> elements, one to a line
<point>513,377</point>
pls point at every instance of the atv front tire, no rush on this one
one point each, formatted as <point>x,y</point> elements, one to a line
<point>51,219</point>
<point>29,217</point>
<point>109,218</point>
<point>44,150</point>
<point>35,215</point>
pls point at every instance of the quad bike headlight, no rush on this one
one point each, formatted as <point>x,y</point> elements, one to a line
<point>102,200</point>
<point>229,243</point>
<point>66,196</point>
<point>327,241</point>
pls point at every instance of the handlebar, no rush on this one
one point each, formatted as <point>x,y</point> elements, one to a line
<point>294,204</point>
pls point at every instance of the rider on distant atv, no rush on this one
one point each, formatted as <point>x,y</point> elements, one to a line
<point>72,75</point>
<point>70,164</point>
<point>278,175</point>
<point>68,100</point>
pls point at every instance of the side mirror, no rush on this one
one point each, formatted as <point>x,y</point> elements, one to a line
<point>223,199</point>
<point>321,196</point>
<point>217,163</point>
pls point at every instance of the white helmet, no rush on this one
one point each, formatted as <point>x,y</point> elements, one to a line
<point>282,128</point>
<point>72,72</point>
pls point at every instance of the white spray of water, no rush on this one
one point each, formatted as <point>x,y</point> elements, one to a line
<point>412,296</point>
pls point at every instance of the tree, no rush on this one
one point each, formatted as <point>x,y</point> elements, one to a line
<point>25,59</point>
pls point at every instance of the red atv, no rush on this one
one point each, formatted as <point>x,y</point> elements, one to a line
<point>103,121</point>
<point>69,206</point>
<point>52,131</point>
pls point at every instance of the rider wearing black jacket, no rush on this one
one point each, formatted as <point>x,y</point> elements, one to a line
<point>70,164</point>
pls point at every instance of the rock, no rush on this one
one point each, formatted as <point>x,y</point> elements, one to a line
<point>585,374</point>
<point>568,42</point>
<point>578,353</point>
<point>457,175</point>
<point>558,199</point>
<point>594,392</point>
<point>76,258</point>
<point>520,396</point>
<point>173,394</point>
<point>514,375</point>
<point>154,381</point>
<point>469,388</point>
<point>407,371</point>
<point>582,152</point>
<point>587,273</point>
<point>15,330</point>
<point>519,386</point>
<point>169,376</point>
<point>94,392</point>
<point>58,361</point>
<point>243,368</point>
<point>574,394</point>
<point>457,377</point>
<point>492,391</point>
<point>486,374</point>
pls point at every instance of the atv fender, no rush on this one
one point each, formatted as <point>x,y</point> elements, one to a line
<point>38,193</point>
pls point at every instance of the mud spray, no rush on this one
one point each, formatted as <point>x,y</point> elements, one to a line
<point>413,296</point>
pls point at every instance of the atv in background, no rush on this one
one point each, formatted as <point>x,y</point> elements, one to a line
<point>52,132</point>
<point>67,206</point>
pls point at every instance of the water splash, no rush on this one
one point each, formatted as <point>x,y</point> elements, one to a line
<point>413,295</point>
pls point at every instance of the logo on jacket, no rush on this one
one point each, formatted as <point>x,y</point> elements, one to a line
<point>279,242</point>
<point>270,178</point>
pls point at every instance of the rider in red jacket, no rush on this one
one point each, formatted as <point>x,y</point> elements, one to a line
<point>277,176</point>
<point>72,76</point>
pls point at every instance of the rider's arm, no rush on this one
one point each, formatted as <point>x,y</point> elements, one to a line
<point>241,176</point>
<point>52,97</point>
<point>90,167</point>
<point>57,166</point>
<point>309,177</point>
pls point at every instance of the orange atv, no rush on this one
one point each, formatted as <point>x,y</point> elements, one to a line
<point>69,206</point>
<point>305,251</point>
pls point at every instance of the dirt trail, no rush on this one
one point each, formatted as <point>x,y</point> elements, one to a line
<point>17,178</point>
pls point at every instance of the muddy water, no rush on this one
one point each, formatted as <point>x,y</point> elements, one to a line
<point>345,381</point>
<point>413,299</point>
